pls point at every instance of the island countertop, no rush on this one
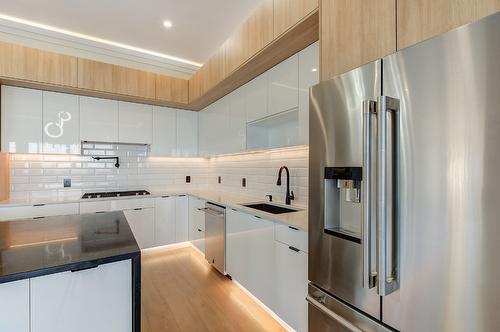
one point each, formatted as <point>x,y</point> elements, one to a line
<point>31,248</point>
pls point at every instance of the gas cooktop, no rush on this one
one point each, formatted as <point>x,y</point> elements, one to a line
<point>116,194</point>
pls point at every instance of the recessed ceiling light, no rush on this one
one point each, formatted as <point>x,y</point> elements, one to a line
<point>314,69</point>
<point>167,24</point>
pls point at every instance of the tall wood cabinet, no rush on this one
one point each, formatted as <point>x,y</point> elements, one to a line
<point>355,32</point>
<point>287,13</point>
<point>422,19</point>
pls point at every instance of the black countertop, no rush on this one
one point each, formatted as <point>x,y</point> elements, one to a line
<point>35,247</point>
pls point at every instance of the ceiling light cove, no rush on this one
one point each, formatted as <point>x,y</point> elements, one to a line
<point>97,39</point>
<point>167,24</point>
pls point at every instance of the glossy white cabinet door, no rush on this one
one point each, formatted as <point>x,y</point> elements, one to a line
<point>237,121</point>
<point>165,220</point>
<point>187,134</point>
<point>164,132</point>
<point>256,97</point>
<point>135,123</point>
<point>196,222</point>
<point>220,127</point>
<point>98,120</point>
<point>21,120</point>
<point>15,306</point>
<point>291,286</point>
<point>97,300</point>
<point>206,132</point>
<point>142,223</point>
<point>308,76</point>
<point>250,254</point>
<point>283,83</point>
<point>181,219</point>
<point>61,123</point>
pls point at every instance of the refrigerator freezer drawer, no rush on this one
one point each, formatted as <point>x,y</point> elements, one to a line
<point>327,314</point>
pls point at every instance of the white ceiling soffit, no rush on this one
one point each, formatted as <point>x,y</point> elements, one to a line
<point>30,34</point>
<point>126,32</point>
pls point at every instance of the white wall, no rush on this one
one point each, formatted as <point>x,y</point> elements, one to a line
<point>35,176</point>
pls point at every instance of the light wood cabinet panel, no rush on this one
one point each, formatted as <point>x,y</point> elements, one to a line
<point>133,82</point>
<point>287,13</point>
<point>251,37</point>
<point>355,32</point>
<point>171,89</point>
<point>31,64</point>
<point>95,75</point>
<point>422,19</point>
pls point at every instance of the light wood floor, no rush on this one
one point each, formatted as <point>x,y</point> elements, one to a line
<point>182,292</point>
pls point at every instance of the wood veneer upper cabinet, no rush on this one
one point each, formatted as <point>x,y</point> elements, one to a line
<point>355,32</point>
<point>287,13</point>
<point>133,82</point>
<point>95,75</point>
<point>171,89</point>
<point>251,37</point>
<point>422,19</point>
<point>31,64</point>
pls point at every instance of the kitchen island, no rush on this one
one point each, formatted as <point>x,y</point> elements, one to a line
<point>69,273</point>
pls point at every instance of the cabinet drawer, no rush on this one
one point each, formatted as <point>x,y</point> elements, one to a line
<point>291,236</point>
<point>92,207</point>
<point>48,210</point>
<point>16,212</point>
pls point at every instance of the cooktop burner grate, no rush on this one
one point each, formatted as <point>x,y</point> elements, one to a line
<point>116,194</point>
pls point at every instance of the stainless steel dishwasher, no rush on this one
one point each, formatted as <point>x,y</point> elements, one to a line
<point>215,236</point>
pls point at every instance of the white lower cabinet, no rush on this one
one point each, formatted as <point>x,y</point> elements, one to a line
<point>38,211</point>
<point>274,272</point>
<point>15,306</point>
<point>181,219</point>
<point>290,285</point>
<point>142,224</point>
<point>164,220</point>
<point>250,254</point>
<point>197,223</point>
<point>97,300</point>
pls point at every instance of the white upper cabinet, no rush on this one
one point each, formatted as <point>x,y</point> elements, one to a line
<point>220,127</point>
<point>256,97</point>
<point>15,306</point>
<point>135,123</point>
<point>308,76</point>
<point>61,123</point>
<point>205,131</point>
<point>187,134</point>
<point>21,120</point>
<point>98,120</point>
<point>164,132</point>
<point>237,121</point>
<point>283,82</point>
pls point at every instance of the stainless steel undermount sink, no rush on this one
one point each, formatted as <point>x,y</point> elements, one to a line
<point>270,208</point>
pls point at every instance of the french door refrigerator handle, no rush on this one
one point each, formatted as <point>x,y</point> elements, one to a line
<point>387,168</point>
<point>369,274</point>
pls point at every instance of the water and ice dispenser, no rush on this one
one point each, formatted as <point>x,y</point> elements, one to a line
<point>343,208</point>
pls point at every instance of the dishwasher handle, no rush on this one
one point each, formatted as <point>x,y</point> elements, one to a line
<point>211,212</point>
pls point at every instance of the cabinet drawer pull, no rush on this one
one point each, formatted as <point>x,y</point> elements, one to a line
<point>38,217</point>
<point>38,205</point>
<point>137,209</point>
<point>294,228</point>
<point>293,248</point>
<point>165,196</point>
<point>100,211</point>
<point>258,217</point>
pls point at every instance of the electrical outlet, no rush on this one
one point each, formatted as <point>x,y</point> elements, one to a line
<point>67,183</point>
<point>219,180</point>
<point>188,179</point>
<point>244,182</point>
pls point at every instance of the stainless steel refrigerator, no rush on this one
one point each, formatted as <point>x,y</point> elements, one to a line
<point>404,189</point>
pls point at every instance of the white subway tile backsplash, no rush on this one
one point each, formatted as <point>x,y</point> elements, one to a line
<point>35,176</point>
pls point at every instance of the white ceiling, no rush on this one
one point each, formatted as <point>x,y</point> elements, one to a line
<point>199,26</point>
